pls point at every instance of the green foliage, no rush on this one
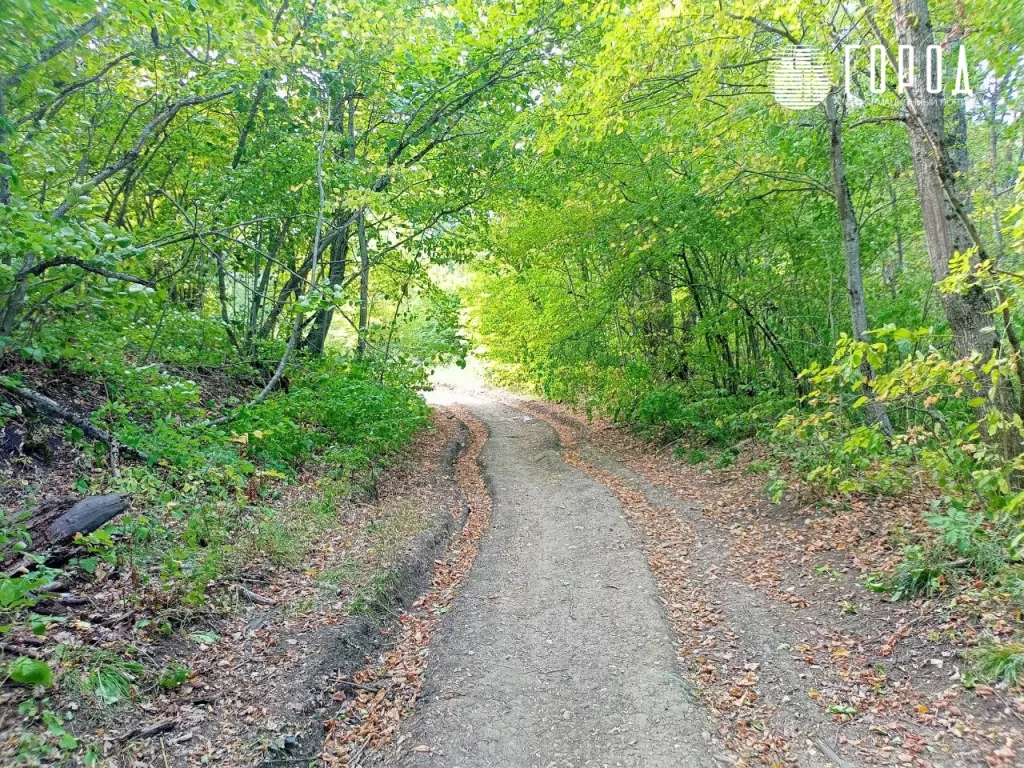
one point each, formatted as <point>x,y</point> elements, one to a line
<point>759,467</point>
<point>998,662</point>
<point>174,675</point>
<point>30,672</point>
<point>203,636</point>
<point>719,422</point>
<point>727,457</point>
<point>374,599</point>
<point>696,456</point>
<point>342,415</point>
<point>108,678</point>
<point>54,742</point>
<point>922,573</point>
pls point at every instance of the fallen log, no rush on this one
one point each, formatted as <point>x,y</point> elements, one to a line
<point>55,410</point>
<point>57,520</point>
<point>86,516</point>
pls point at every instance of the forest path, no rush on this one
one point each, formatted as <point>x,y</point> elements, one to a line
<point>557,652</point>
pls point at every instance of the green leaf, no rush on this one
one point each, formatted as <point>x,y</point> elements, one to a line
<point>30,672</point>
<point>67,741</point>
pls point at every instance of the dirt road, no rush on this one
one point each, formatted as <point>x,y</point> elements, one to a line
<point>614,577</point>
<point>557,652</point>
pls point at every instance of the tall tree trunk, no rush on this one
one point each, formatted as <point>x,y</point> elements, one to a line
<point>876,413</point>
<point>339,247</point>
<point>897,269</point>
<point>317,337</point>
<point>364,283</point>
<point>947,227</point>
<point>16,298</point>
<point>5,182</point>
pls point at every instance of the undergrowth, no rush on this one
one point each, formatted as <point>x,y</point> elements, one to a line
<point>208,501</point>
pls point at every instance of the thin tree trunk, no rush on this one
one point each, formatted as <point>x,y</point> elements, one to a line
<point>297,325</point>
<point>336,268</point>
<point>339,247</point>
<point>5,182</point>
<point>1000,245</point>
<point>364,283</point>
<point>876,413</point>
<point>897,269</point>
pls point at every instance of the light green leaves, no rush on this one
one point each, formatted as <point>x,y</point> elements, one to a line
<point>30,672</point>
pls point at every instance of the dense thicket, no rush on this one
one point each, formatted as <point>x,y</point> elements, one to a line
<point>686,254</point>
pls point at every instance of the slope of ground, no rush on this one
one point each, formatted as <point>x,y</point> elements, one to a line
<point>256,682</point>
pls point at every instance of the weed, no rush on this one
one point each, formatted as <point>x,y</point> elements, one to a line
<point>727,457</point>
<point>203,637</point>
<point>373,599</point>
<point>174,675</point>
<point>342,578</point>
<point>832,573</point>
<point>922,572</point>
<point>1015,588</point>
<point>994,662</point>
<point>278,539</point>
<point>987,558</point>
<point>697,456</point>
<point>775,488</point>
<point>104,676</point>
<point>759,467</point>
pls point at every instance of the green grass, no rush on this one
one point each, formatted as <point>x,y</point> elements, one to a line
<point>921,573</point>
<point>998,662</point>
<point>104,677</point>
<point>373,599</point>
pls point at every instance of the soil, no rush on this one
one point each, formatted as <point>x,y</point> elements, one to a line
<point>557,651</point>
<point>269,674</point>
<point>796,659</point>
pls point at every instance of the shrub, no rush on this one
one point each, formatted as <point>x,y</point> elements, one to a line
<point>923,572</point>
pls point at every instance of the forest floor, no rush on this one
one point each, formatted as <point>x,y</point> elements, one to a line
<point>313,663</point>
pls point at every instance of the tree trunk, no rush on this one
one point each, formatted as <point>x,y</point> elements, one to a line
<point>56,521</point>
<point>5,182</point>
<point>364,283</point>
<point>876,413</point>
<point>947,228</point>
<point>317,337</point>
<point>16,298</point>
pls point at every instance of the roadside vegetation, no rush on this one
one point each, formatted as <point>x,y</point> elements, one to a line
<point>217,226</point>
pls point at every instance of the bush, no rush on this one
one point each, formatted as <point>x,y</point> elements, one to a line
<point>922,573</point>
<point>669,413</point>
<point>336,411</point>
